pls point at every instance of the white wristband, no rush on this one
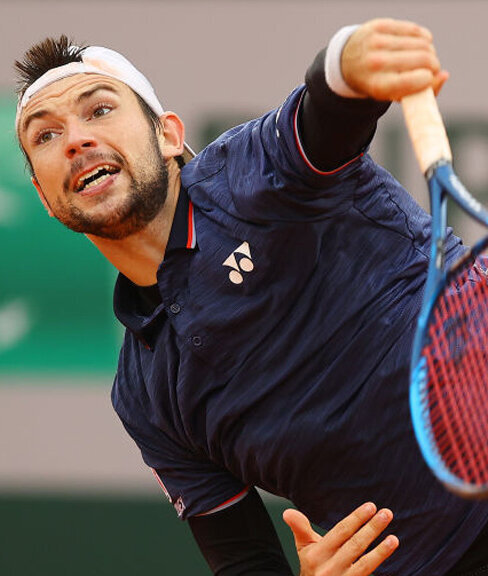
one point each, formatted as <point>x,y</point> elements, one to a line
<point>333,70</point>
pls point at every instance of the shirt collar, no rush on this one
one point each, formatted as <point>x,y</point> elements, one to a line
<point>127,306</point>
<point>182,233</point>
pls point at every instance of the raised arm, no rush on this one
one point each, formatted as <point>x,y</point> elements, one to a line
<point>380,61</point>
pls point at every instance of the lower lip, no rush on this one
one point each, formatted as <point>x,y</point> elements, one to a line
<point>99,188</point>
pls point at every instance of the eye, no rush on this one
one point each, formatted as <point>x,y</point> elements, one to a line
<point>45,136</point>
<point>101,110</point>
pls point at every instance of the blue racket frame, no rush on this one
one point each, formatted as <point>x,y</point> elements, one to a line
<point>443,183</point>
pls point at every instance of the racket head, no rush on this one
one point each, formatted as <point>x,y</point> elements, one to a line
<point>449,376</point>
<point>448,384</point>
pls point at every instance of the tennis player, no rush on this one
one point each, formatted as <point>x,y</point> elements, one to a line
<point>269,288</point>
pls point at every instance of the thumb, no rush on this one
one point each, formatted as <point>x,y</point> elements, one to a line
<point>440,80</point>
<point>301,528</point>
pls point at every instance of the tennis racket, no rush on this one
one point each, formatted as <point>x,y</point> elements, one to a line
<point>449,369</point>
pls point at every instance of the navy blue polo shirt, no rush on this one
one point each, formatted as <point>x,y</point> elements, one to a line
<point>279,354</point>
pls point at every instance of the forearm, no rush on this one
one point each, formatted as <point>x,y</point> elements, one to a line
<point>334,129</point>
<point>241,540</point>
<point>380,61</point>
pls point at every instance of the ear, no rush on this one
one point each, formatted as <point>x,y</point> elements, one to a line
<point>172,140</point>
<point>42,198</point>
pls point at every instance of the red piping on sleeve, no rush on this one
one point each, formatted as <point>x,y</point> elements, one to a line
<point>237,498</point>
<point>302,151</point>
<point>160,482</point>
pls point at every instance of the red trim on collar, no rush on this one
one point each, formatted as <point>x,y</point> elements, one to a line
<point>191,227</point>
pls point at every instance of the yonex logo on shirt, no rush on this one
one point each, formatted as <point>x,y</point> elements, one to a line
<point>244,264</point>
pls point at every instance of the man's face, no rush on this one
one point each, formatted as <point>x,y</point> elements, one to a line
<point>96,157</point>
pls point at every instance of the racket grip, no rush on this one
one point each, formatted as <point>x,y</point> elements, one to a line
<point>426,129</point>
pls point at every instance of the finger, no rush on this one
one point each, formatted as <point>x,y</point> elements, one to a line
<point>394,86</point>
<point>355,547</point>
<point>391,42</point>
<point>303,532</point>
<point>370,561</point>
<point>400,28</point>
<point>344,529</point>
<point>387,61</point>
<point>440,80</point>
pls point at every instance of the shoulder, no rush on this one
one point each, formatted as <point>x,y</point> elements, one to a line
<point>253,139</point>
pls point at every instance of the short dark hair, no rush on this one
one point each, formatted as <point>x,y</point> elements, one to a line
<point>40,58</point>
<point>52,53</point>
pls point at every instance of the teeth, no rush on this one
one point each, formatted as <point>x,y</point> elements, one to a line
<point>97,181</point>
<point>92,173</point>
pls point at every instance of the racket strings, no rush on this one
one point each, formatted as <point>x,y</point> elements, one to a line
<point>457,377</point>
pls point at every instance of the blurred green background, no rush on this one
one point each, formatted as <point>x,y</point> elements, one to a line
<point>56,288</point>
<point>103,537</point>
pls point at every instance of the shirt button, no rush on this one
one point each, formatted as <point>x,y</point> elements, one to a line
<point>196,340</point>
<point>175,308</point>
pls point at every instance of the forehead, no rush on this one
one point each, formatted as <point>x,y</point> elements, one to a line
<point>68,90</point>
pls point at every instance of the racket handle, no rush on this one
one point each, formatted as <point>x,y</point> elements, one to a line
<point>426,129</point>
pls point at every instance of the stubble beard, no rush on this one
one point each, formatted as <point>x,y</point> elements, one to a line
<point>144,201</point>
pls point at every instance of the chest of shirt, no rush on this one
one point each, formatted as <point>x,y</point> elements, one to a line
<point>258,307</point>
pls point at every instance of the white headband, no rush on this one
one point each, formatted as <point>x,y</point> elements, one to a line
<point>103,61</point>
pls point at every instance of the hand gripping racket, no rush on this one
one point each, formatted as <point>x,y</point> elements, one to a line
<point>449,370</point>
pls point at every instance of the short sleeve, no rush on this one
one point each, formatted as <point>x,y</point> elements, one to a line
<point>192,483</point>
<point>263,166</point>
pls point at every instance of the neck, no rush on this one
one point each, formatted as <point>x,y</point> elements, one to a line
<point>138,256</point>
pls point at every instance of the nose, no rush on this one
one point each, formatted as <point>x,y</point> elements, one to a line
<point>78,138</point>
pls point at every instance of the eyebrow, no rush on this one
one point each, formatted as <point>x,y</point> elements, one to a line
<point>83,96</point>
<point>87,93</point>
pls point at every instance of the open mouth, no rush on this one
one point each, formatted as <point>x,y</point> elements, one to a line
<point>95,177</point>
